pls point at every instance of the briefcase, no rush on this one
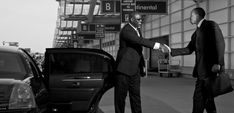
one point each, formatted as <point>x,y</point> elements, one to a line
<point>221,84</point>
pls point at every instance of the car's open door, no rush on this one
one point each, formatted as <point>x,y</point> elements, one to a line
<point>77,77</point>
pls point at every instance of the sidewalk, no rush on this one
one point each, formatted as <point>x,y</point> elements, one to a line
<point>167,95</point>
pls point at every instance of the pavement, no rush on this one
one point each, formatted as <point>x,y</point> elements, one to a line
<point>166,95</point>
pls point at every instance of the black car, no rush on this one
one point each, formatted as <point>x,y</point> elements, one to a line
<point>22,88</point>
<point>77,78</point>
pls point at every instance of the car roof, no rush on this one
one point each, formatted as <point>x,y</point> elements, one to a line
<point>9,49</point>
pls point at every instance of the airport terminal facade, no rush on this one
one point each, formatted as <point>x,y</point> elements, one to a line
<point>175,29</point>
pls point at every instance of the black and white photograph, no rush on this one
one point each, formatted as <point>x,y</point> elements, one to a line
<point>117,56</point>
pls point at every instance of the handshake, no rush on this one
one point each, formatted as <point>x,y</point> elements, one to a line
<point>164,48</point>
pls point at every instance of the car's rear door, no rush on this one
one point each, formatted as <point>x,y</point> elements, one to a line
<point>77,77</point>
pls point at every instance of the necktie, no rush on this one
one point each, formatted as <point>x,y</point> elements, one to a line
<point>139,31</point>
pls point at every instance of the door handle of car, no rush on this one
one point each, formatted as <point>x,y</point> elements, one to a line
<point>76,84</point>
<point>86,77</point>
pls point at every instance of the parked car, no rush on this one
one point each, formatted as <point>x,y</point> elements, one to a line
<point>77,78</point>
<point>22,89</point>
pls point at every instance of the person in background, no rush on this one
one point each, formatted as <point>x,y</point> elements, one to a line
<point>129,64</point>
<point>208,43</point>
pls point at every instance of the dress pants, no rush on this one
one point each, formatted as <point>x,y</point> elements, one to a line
<point>203,99</point>
<point>127,84</point>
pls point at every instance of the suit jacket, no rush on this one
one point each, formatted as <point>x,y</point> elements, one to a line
<point>129,58</point>
<point>208,44</point>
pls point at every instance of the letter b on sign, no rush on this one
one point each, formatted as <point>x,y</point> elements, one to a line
<point>107,6</point>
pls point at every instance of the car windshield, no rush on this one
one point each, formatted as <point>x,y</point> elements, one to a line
<point>11,66</point>
<point>68,63</point>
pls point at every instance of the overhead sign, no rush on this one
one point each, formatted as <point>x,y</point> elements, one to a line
<point>16,44</point>
<point>151,6</point>
<point>86,36</point>
<point>110,6</point>
<point>107,27</point>
<point>112,27</point>
<point>127,7</point>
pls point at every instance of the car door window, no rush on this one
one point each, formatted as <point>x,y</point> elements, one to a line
<point>77,63</point>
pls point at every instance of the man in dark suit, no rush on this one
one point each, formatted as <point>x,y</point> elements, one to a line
<point>129,64</point>
<point>208,43</point>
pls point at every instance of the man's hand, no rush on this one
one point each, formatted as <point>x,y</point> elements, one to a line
<point>216,68</point>
<point>164,48</point>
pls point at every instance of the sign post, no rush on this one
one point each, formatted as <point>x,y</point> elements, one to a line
<point>100,31</point>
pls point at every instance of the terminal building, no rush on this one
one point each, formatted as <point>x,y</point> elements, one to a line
<point>96,24</point>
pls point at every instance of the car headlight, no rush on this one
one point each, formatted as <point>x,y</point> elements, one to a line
<point>22,97</point>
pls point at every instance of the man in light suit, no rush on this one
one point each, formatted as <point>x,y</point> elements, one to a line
<point>208,43</point>
<point>129,64</point>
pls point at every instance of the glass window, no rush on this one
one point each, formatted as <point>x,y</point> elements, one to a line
<point>148,34</point>
<point>165,30</point>
<point>226,44</point>
<point>187,35</point>
<point>96,10</point>
<point>85,9</point>
<point>224,29</point>
<point>155,24</point>
<point>176,60</point>
<point>176,38</point>
<point>187,12</point>
<point>232,14</point>
<point>232,45</point>
<point>217,4</point>
<point>203,5</point>
<point>148,18</point>
<point>164,20</point>
<point>63,23</point>
<point>70,63</point>
<point>155,33</point>
<point>69,9</point>
<point>176,6</point>
<point>188,25</point>
<point>176,17</point>
<point>69,23</point>
<point>188,3</point>
<point>226,62</point>
<point>77,9</point>
<point>172,1</point>
<point>148,26</point>
<point>12,66</point>
<point>75,24</point>
<point>62,4</point>
<point>232,61</point>
<point>176,45</point>
<point>155,17</point>
<point>219,16</point>
<point>176,27</point>
<point>232,28</point>
<point>189,60</point>
<point>185,44</point>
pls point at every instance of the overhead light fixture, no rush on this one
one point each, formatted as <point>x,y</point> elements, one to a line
<point>83,22</point>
